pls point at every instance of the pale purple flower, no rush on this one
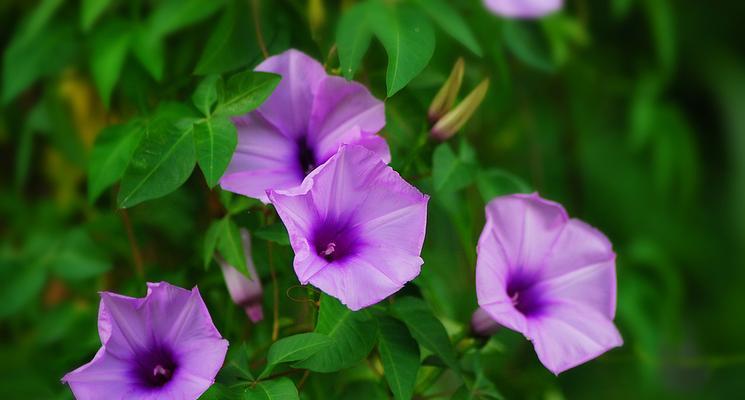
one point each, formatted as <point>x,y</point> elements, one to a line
<point>245,292</point>
<point>302,124</point>
<point>356,227</point>
<point>548,277</point>
<point>162,346</point>
<point>523,8</point>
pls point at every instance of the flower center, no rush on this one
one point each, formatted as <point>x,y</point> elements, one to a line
<point>328,253</point>
<point>525,298</point>
<point>306,156</point>
<point>161,375</point>
<point>155,368</point>
<point>333,241</point>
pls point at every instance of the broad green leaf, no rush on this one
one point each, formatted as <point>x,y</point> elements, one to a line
<point>480,389</point>
<point>111,153</point>
<point>399,353</point>
<point>222,392</point>
<point>364,390</point>
<point>495,182</point>
<point>425,328</point>
<point>245,91</point>
<point>449,172</point>
<point>38,19</point>
<point>295,348</point>
<point>230,245</point>
<point>215,139</point>
<point>236,370</point>
<point>353,36</point>
<point>408,39</point>
<point>205,95</point>
<point>20,283</point>
<point>274,233</point>
<point>90,11</point>
<point>110,45</point>
<point>150,51</point>
<point>451,22</point>
<point>353,334</point>
<point>232,43</point>
<point>210,241</point>
<point>528,42</point>
<point>172,15</point>
<point>278,389</point>
<point>164,158</point>
<point>78,258</point>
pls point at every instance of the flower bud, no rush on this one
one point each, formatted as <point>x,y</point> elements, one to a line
<point>445,98</point>
<point>245,292</point>
<point>483,324</point>
<point>448,125</point>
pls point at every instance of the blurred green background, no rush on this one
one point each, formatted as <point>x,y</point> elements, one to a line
<point>631,113</point>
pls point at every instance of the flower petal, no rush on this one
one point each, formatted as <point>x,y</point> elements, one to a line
<point>106,373</point>
<point>290,105</point>
<point>123,326</point>
<point>523,8</point>
<point>567,335</point>
<point>177,314</point>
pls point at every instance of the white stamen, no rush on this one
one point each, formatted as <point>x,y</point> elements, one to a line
<point>330,248</point>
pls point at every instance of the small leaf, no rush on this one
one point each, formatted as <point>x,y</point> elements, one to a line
<point>232,43</point>
<point>353,335</point>
<point>353,36</point>
<point>150,51</point>
<point>425,328</point>
<point>230,245</point>
<point>215,140</point>
<point>111,153</point>
<point>205,96</point>
<point>529,43</point>
<point>245,91</point>
<point>278,389</point>
<point>236,370</point>
<point>164,159</point>
<point>399,353</point>
<point>274,233</point>
<point>210,241</point>
<point>451,22</point>
<point>449,171</point>
<point>172,15</point>
<point>90,11</point>
<point>222,392</point>
<point>20,283</point>
<point>408,39</point>
<point>110,45</point>
<point>295,348</point>
<point>496,182</point>
<point>78,258</point>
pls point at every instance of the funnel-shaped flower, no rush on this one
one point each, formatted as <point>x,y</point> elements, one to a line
<point>549,277</point>
<point>245,292</point>
<point>302,124</point>
<point>356,227</point>
<point>523,8</point>
<point>163,346</point>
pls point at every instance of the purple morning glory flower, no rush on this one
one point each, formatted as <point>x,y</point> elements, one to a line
<point>523,8</point>
<point>356,227</point>
<point>548,277</point>
<point>301,125</point>
<point>162,346</point>
<point>245,292</point>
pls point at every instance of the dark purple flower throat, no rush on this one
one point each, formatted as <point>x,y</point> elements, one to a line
<point>155,368</point>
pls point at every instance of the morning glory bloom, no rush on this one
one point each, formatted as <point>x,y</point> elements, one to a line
<point>162,346</point>
<point>356,227</point>
<point>246,293</point>
<point>548,277</point>
<point>523,8</point>
<point>300,126</point>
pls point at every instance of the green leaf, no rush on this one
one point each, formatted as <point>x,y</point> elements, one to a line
<point>205,96</point>
<point>110,45</point>
<point>236,370</point>
<point>425,328</point>
<point>90,11</point>
<point>495,182</point>
<point>399,353</point>
<point>20,283</point>
<point>408,39</point>
<point>452,23</point>
<point>111,153</point>
<point>245,91</point>
<point>210,241</point>
<point>222,392</point>
<point>480,389</point>
<point>353,335</point>
<point>78,258</point>
<point>215,140</point>
<point>278,389</point>
<point>232,43</point>
<point>274,233</point>
<point>528,42</point>
<point>230,245</point>
<point>172,15</point>
<point>164,158</point>
<point>449,171</point>
<point>295,348</point>
<point>150,51</point>
<point>353,36</point>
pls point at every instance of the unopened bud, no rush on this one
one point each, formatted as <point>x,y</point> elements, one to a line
<point>448,125</point>
<point>445,98</point>
<point>246,293</point>
<point>316,16</point>
<point>483,324</point>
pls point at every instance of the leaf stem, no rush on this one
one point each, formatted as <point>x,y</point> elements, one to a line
<point>257,24</point>
<point>136,254</point>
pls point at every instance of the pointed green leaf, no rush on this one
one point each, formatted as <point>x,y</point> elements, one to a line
<point>295,348</point>
<point>164,158</point>
<point>425,328</point>
<point>245,91</point>
<point>172,15</point>
<point>110,45</point>
<point>274,233</point>
<point>495,182</point>
<point>449,172</point>
<point>230,245</point>
<point>408,39</point>
<point>353,36</point>
<point>205,95</point>
<point>150,51</point>
<point>90,11</point>
<point>110,156</point>
<point>232,43</point>
<point>353,334</point>
<point>210,241</point>
<point>451,22</point>
<point>278,389</point>
<point>399,353</point>
<point>215,139</point>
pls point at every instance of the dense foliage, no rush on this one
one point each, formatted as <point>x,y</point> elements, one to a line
<point>115,129</point>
